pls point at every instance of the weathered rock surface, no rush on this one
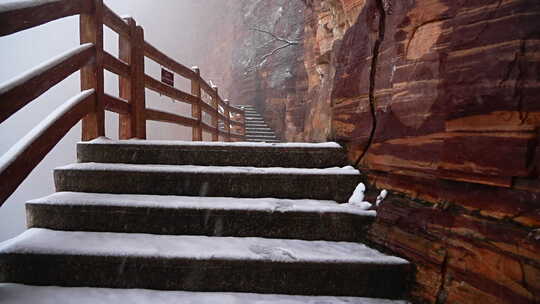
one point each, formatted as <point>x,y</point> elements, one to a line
<point>436,101</point>
<point>451,85</point>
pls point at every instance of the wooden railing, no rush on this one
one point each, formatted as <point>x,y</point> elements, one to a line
<point>90,105</point>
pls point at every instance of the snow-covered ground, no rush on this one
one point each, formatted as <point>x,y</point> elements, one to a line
<point>195,202</point>
<point>23,294</point>
<point>348,170</point>
<point>44,241</point>
<point>105,140</point>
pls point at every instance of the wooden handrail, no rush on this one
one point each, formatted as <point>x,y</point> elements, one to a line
<point>237,123</point>
<point>17,93</point>
<point>115,22</point>
<point>90,105</point>
<point>115,65</point>
<point>156,55</point>
<point>169,91</point>
<point>21,159</point>
<point>117,105</point>
<point>18,16</point>
<point>209,128</point>
<point>156,115</point>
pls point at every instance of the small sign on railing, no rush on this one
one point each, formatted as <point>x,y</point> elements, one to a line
<point>167,77</point>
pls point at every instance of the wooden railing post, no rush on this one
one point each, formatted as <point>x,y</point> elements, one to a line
<point>196,107</point>
<point>131,51</point>
<point>227,122</point>
<point>243,114</point>
<point>215,115</point>
<point>91,31</point>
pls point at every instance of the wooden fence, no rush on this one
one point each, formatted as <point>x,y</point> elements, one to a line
<point>90,105</point>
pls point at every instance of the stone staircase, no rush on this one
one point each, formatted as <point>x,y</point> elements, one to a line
<point>256,128</point>
<point>247,222</point>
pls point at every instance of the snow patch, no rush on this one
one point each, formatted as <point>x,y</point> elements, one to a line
<point>24,294</point>
<point>208,169</point>
<point>193,202</point>
<point>11,5</point>
<point>45,241</point>
<point>18,80</point>
<point>357,198</point>
<point>105,140</point>
<point>381,197</point>
<point>12,154</point>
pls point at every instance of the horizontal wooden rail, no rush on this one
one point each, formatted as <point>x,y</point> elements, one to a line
<point>236,110</point>
<point>237,123</point>
<point>238,136</point>
<point>207,108</point>
<point>209,128</point>
<point>156,115</point>
<point>169,91</point>
<point>207,87</point>
<point>117,105</point>
<point>156,55</point>
<point>115,22</point>
<point>22,158</point>
<point>221,116</point>
<point>18,16</point>
<point>90,105</point>
<point>115,65</point>
<point>18,92</point>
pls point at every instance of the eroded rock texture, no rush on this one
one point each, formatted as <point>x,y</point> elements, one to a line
<point>437,101</point>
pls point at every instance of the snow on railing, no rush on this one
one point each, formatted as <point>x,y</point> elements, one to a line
<point>90,105</point>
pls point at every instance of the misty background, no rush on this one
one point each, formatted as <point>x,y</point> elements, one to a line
<point>176,27</point>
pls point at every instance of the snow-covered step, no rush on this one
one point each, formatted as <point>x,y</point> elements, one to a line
<point>25,294</point>
<point>211,216</point>
<point>297,155</point>
<point>199,263</point>
<point>260,129</point>
<point>263,140</point>
<point>250,123</point>
<point>296,183</point>
<point>257,136</point>
<point>267,133</point>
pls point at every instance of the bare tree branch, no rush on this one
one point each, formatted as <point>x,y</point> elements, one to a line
<point>275,38</point>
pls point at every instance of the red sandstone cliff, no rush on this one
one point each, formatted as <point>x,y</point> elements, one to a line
<point>437,101</point>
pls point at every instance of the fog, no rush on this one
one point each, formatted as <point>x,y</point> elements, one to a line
<point>176,27</point>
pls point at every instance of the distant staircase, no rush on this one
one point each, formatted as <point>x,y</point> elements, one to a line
<point>257,130</point>
<point>202,217</point>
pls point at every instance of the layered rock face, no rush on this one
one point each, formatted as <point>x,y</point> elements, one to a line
<point>436,101</point>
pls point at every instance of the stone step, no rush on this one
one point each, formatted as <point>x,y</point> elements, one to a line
<point>268,141</point>
<point>250,126</point>
<point>261,129</point>
<point>261,137</point>
<point>200,263</point>
<point>24,294</point>
<point>210,216</point>
<point>262,133</point>
<point>325,184</point>
<point>296,155</point>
